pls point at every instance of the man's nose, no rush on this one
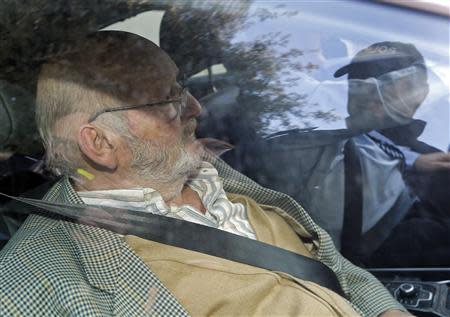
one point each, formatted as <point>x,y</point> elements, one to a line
<point>193,108</point>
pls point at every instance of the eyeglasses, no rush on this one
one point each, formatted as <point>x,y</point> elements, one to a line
<point>179,107</point>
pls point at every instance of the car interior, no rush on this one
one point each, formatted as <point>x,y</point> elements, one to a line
<point>236,79</point>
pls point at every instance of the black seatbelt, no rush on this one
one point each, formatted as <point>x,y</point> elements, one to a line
<point>188,235</point>
<point>353,202</point>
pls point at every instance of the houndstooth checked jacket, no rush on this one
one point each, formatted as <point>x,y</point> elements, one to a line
<point>55,268</point>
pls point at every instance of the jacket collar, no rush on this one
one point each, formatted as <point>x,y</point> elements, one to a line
<point>99,250</point>
<point>102,263</point>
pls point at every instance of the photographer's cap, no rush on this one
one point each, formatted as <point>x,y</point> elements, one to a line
<point>381,58</point>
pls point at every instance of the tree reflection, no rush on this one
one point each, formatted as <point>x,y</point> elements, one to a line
<point>265,68</point>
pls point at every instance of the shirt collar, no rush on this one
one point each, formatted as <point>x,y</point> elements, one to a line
<point>206,183</point>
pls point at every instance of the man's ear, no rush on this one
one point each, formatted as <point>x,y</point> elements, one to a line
<point>98,146</point>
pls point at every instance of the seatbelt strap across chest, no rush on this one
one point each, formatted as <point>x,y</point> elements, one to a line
<point>186,235</point>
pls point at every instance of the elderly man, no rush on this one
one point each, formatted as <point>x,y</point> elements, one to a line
<point>119,127</point>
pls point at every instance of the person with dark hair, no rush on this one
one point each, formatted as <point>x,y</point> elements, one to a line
<point>119,128</point>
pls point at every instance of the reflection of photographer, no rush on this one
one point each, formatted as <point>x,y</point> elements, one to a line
<point>387,83</point>
<point>394,95</point>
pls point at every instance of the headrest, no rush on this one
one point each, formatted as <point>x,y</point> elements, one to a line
<point>18,132</point>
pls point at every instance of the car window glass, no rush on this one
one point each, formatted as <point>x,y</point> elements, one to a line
<point>264,74</point>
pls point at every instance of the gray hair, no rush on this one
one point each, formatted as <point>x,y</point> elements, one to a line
<point>101,73</point>
<point>108,69</point>
<point>60,94</point>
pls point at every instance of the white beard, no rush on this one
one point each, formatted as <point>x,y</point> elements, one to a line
<point>162,163</point>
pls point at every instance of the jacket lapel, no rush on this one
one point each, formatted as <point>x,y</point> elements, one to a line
<point>110,265</point>
<point>98,250</point>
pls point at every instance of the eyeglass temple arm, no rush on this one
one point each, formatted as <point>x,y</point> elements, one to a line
<point>97,114</point>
